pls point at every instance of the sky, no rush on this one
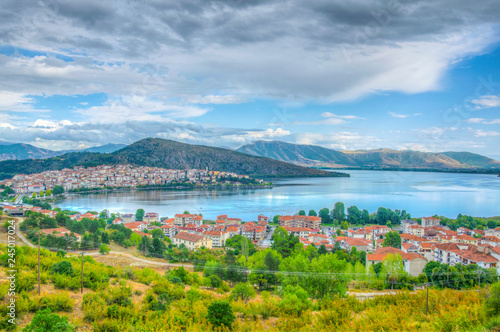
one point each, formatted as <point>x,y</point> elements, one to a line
<point>401,74</point>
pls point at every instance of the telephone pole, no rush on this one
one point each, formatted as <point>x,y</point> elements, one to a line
<point>38,262</point>
<point>479,272</point>
<point>427,299</point>
<point>82,272</point>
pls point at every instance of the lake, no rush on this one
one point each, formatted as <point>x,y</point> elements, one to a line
<point>419,193</point>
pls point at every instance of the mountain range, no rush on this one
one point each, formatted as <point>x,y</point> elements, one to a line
<point>317,156</point>
<point>18,151</point>
<point>167,154</point>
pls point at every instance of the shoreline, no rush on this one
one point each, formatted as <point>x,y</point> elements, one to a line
<point>461,171</point>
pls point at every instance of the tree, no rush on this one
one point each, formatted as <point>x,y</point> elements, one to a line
<point>48,192</point>
<point>491,224</point>
<point>243,291</point>
<point>322,250</point>
<point>34,195</point>
<point>104,249</point>
<point>302,213</point>
<point>105,237</point>
<point>57,190</point>
<point>276,219</point>
<point>382,216</point>
<point>344,225</point>
<point>392,239</point>
<point>215,281</point>
<point>365,216</point>
<point>338,212</point>
<point>354,214</point>
<point>62,267</point>
<point>139,214</point>
<point>8,190</point>
<point>41,193</point>
<point>220,313</point>
<point>324,214</point>
<point>157,233</point>
<point>312,213</point>
<point>45,321</point>
<point>492,302</point>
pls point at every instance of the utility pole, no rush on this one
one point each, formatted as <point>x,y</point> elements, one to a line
<point>479,272</point>
<point>427,299</point>
<point>82,272</point>
<point>38,262</point>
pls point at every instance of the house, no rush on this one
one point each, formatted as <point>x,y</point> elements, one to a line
<point>169,230</point>
<point>151,217</point>
<point>406,223</point>
<point>416,230</point>
<point>413,263</point>
<point>218,237</point>
<point>409,248</point>
<point>493,232</point>
<point>233,230</point>
<point>136,226</point>
<point>318,237</point>
<point>118,221</point>
<point>299,231</point>
<point>430,221</point>
<point>480,256</point>
<point>426,249</point>
<point>89,215</point>
<point>60,232</point>
<point>359,244</point>
<point>356,233</point>
<point>262,218</point>
<point>128,218</point>
<point>491,240</point>
<point>192,241</point>
<point>467,239</point>
<point>380,230</point>
<point>184,219</point>
<point>300,221</point>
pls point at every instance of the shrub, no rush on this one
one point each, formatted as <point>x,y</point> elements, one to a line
<point>492,302</point>
<point>175,280</point>
<point>220,313</point>
<point>215,281</point>
<point>62,267</point>
<point>243,291</point>
<point>44,320</point>
<point>55,302</point>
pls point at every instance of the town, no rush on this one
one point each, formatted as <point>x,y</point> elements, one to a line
<point>120,176</point>
<point>419,242</point>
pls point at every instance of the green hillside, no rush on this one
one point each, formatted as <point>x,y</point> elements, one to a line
<point>168,154</point>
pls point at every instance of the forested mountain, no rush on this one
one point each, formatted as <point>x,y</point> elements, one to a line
<point>168,154</point>
<point>316,156</point>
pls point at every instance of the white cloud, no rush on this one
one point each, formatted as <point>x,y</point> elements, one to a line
<point>483,121</point>
<point>214,99</point>
<point>485,133</point>
<point>488,101</point>
<point>403,116</point>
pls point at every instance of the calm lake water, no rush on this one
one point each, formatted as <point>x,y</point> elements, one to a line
<point>419,193</point>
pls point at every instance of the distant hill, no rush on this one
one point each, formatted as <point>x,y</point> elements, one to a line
<point>108,148</point>
<point>316,156</point>
<point>16,151</point>
<point>20,151</point>
<point>167,154</point>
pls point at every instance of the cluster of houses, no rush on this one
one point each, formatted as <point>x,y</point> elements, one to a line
<point>189,229</point>
<point>426,242</point>
<point>111,176</point>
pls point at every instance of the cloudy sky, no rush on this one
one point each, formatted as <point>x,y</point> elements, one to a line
<point>403,74</point>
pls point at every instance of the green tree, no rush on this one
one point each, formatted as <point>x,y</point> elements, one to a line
<point>8,190</point>
<point>104,250</point>
<point>344,225</point>
<point>45,321</point>
<point>322,250</point>
<point>302,213</point>
<point>276,219</point>
<point>139,214</point>
<point>324,214</point>
<point>492,302</point>
<point>34,195</point>
<point>157,233</point>
<point>491,224</point>
<point>220,313</point>
<point>62,267</point>
<point>105,237</point>
<point>57,190</point>
<point>48,192</point>
<point>392,239</point>
<point>382,216</point>
<point>338,212</point>
<point>243,291</point>
<point>312,213</point>
<point>215,281</point>
<point>354,214</point>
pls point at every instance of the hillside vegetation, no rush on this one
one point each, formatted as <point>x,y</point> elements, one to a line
<point>316,156</point>
<point>167,154</point>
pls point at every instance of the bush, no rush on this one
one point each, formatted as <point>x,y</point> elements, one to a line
<point>243,291</point>
<point>55,302</point>
<point>44,320</point>
<point>62,267</point>
<point>220,313</point>
<point>492,302</point>
<point>175,280</point>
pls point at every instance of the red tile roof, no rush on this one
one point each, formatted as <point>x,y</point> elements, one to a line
<point>189,237</point>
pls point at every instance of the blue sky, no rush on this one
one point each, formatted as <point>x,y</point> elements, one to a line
<point>358,75</point>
